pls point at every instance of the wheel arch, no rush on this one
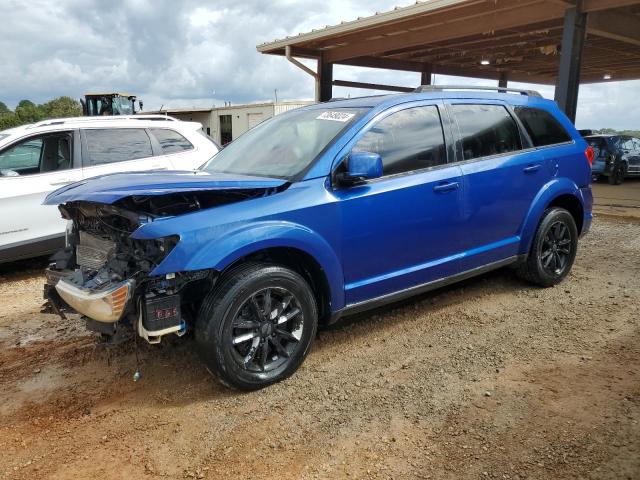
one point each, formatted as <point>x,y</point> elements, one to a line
<point>558,193</point>
<point>300,262</point>
<point>285,243</point>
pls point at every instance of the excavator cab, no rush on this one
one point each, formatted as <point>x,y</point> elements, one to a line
<point>101,104</point>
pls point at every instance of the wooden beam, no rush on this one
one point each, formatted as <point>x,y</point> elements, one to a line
<point>616,26</point>
<point>504,18</point>
<point>384,63</point>
<point>373,86</point>
<point>589,6</point>
<point>487,46</point>
<point>466,9</point>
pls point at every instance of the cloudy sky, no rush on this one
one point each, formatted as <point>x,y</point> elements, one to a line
<point>199,53</point>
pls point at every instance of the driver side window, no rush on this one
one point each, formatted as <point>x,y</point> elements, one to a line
<point>407,140</point>
<point>43,154</point>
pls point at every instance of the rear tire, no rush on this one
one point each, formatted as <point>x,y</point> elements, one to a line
<point>553,249</point>
<point>257,326</point>
<point>617,175</point>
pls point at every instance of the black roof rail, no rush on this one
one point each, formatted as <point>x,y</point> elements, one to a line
<point>440,88</point>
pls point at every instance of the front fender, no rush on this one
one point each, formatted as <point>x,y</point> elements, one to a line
<point>546,195</point>
<point>220,252</point>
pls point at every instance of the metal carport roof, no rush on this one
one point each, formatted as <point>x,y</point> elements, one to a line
<point>519,40</point>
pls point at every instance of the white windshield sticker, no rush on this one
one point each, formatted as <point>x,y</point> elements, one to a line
<point>336,116</point>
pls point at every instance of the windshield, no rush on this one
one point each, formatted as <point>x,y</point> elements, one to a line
<point>285,145</point>
<point>122,106</point>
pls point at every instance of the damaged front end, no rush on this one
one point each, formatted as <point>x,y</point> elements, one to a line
<point>107,274</point>
<point>104,275</point>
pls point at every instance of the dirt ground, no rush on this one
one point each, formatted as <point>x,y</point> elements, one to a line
<point>617,200</point>
<point>490,379</point>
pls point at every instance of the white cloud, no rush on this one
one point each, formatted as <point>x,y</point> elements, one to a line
<point>196,53</point>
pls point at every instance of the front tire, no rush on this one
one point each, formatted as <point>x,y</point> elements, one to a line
<point>553,250</point>
<point>257,326</point>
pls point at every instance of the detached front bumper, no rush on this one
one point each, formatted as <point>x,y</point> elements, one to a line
<point>106,305</point>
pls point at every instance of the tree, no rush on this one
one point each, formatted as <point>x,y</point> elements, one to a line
<point>8,120</point>
<point>4,110</point>
<point>28,112</point>
<point>62,107</point>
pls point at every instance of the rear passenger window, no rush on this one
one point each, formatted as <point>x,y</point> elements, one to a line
<point>171,141</point>
<point>486,130</point>
<point>117,145</point>
<point>542,127</point>
<point>407,140</point>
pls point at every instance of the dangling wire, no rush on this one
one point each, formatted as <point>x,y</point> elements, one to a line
<point>137,375</point>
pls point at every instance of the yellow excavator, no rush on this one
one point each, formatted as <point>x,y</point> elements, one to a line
<point>101,104</point>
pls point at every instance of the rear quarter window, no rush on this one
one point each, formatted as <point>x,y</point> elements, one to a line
<point>171,141</point>
<point>542,126</point>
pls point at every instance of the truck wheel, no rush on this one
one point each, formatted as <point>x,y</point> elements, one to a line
<point>553,249</point>
<point>617,175</point>
<point>257,326</point>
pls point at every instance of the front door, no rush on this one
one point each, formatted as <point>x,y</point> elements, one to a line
<point>401,230</point>
<point>29,170</point>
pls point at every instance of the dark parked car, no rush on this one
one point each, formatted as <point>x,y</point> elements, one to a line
<point>616,157</point>
<point>321,212</point>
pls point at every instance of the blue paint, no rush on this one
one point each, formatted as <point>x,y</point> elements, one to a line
<point>384,235</point>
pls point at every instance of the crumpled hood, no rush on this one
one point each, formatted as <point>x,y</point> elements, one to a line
<point>108,189</point>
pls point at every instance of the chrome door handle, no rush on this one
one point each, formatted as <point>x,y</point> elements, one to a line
<point>66,181</point>
<point>446,187</point>
<point>532,168</point>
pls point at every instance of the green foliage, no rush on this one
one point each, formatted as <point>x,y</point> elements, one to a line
<point>611,131</point>
<point>62,107</point>
<point>8,120</point>
<point>29,112</point>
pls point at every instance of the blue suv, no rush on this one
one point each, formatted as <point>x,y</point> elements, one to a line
<point>322,212</point>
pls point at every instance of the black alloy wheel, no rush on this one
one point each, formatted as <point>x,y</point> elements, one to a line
<point>556,249</point>
<point>257,325</point>
<point>553,249</point>
<point>267,329</point>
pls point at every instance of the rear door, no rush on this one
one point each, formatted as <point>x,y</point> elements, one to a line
<point>30,169</point>
<point>502,174</point>
<point>176,151</point>
<point>112,150</point>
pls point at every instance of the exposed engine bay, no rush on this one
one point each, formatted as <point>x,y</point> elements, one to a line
<point>104,274</point>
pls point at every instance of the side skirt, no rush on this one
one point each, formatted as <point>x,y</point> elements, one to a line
<point>425,287</point>
<point>32,248</point>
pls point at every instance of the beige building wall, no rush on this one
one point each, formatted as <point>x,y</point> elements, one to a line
<point>243,117</point>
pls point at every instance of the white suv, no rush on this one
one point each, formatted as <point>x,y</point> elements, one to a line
<point>39,158</point>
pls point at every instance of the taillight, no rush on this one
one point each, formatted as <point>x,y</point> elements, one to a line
<point>590,154</point>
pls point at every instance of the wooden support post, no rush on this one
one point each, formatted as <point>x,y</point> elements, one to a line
<point>325,71</point>
<point>425,77</point>
<point>568,83</point>
<point>503,82</point>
